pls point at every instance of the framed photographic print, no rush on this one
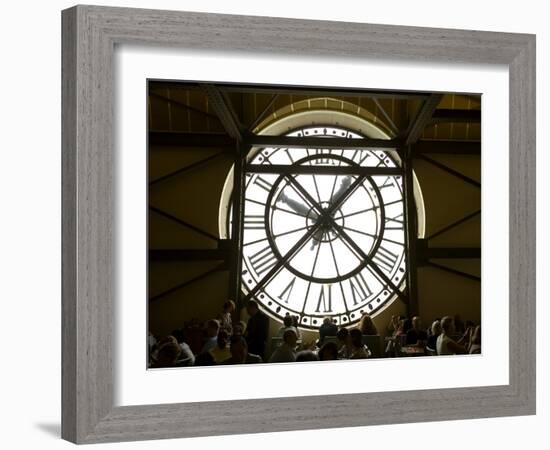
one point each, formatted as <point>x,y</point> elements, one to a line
<point>245,200</point>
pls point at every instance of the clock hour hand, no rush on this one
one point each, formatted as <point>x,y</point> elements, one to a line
<point>304,211</point>
<point>298,207</point>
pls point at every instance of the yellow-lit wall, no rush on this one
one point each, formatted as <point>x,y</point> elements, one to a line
<point>195,195</point>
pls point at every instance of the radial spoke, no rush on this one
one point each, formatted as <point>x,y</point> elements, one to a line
<point>304,194</point>
<point>381,275</point>
<point>334,184</point>
<point>275,236</point>
<point>278,208</point>
<point>372,208</point>
<point>311,275</point>
<point>317,189</point>
<point>343,197</point>
<point>338,275</point>
<point>280,264</point>
<point>372,235</point>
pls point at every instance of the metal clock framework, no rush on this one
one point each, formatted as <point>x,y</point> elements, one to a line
<point>323,230</point>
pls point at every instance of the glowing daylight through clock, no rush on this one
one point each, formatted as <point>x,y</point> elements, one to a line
<point>323,238</point>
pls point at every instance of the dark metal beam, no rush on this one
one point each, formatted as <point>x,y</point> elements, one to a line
<point>322,170</point>
<point>218,268</point>
<point>318,142</point>
<point>453,253</point>
<point>225,111</point>
<point>450,171</point>
<point>238,201</point>
<point>389,121</point>
<point>196,140</point>
<point>425,252</point>
<point>186,168</point>
<point>422,118</point>
<point>183,223</point>
<point>454,271</point>
<point>189,254</point>
<point>260,116</point>
<point>454,224</point>
<point>183,105</point>
<point>320,92</point>
<point>456,116</point>
<point>447,147</point>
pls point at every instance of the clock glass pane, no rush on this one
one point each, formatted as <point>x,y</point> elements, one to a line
<point>323,230</point>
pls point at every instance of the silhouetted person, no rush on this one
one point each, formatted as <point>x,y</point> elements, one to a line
<point>221,351</point>
<point>367,326</point>
<point>328,352</point>
<point>416,335</point>
<point>212,328</point>
<point>445,344</point>
<point>257,329</point>
<point>226,321</point>
<point>286,352</point>
<point>358,349</point>
<point>239,353</point>
<point>328,328</point>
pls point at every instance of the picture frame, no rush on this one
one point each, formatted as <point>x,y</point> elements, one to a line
<point>90,34</point>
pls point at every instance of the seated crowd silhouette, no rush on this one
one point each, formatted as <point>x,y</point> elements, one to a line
<point>221,341</point>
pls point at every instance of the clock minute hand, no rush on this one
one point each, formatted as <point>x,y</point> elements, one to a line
<point>344,185</point>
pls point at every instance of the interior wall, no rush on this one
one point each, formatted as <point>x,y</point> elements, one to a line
<point>194,197</point>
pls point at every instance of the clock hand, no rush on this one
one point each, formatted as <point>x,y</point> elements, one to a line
<point>344,185</point>
<point>298,207</point>
<point>303,210</point>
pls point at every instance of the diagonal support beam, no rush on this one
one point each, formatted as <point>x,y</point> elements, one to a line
<point>225,111</point>
<point>425,252</point>
<point>422,118</point>
<point>183,105</point>
<point>389,120</point>
<point>202,276</point>
<point>187,168</point>
<point>450,171</point>
<point>264,112</point>
<point>454,271</point>
<point>183,223</point>
<point>454,224</point>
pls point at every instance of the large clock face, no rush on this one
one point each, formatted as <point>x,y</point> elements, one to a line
<point>323,238</point>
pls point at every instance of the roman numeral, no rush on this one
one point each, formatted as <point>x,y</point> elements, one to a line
<point>363,155</point>
<point>387,183</point>
<point>385,259</point>
<point>325,299</point>
<point>324,160</point>
<point>396,222</point>
<point>254,222</point>
<point>265,185</point>
<point>285,295</point>
<point>263,260</point>
<point>359,288</point>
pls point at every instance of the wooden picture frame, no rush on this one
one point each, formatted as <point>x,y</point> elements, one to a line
<point>90,34</point>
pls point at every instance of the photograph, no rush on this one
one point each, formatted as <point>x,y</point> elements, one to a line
<point>290,224</point>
